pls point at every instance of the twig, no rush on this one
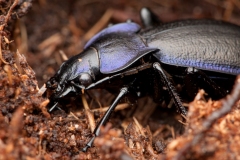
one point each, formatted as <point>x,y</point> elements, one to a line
<point>88,113</point>
<point>74,116</point>
<point>228,10</point>
<point>1,57</point>
<point>44,109</point>
<point>159,130</point>
<point>63,55</point>
<point>139,126</point>
<point>215,3</point>
<point>99,25</point>
<point>236,3</point>
<point>9,74</point>
<point>172,131</point>
<point>2,27</point>
<point>227,105</point>
<point>182,122</point>
<point>118,107</point>
<point>10,11</point>
<point>42,89</point>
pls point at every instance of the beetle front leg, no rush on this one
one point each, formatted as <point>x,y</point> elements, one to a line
<point>105,118</point>
<point>171,89</point>
<point>122,74</point>
<point>64,93</point>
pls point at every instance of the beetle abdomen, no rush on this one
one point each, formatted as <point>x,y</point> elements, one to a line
<point>207,45</point>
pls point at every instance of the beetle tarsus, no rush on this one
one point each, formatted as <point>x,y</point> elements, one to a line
<point>89,144</point>
<point>53,107</point>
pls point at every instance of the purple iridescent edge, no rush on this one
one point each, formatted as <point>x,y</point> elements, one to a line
<point>118,28</point>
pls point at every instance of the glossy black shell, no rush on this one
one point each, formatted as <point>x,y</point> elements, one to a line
<point>204,44</point>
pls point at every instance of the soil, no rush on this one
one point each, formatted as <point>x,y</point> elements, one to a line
<point>37,36</point>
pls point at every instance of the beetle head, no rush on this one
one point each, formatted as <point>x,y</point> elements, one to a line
<point>75,74</point>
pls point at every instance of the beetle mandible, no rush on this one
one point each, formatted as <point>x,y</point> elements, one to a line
<point>143,61</point>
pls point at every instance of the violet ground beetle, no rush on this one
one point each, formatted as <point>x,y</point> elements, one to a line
<point>195,53</point>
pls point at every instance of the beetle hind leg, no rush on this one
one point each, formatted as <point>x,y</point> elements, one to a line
<point>170,88</point>
<point>196,79</point>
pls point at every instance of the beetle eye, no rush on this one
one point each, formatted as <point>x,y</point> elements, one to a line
<point>85,79</point>
<point>52,83</point>
<point>58,89</point>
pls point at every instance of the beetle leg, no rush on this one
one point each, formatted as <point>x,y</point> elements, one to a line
<point>105,118</point>
<point>149,19</point>
<point>205,82</point>
<point>190,81</point>
<point>60,95</point>
<point>171,89</point>
<point>122,74</point>
<point>77,85</point>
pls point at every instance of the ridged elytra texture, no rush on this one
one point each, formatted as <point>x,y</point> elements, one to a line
<point>204,44</point>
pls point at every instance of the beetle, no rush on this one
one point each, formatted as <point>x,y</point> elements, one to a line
<point>194,53</point>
